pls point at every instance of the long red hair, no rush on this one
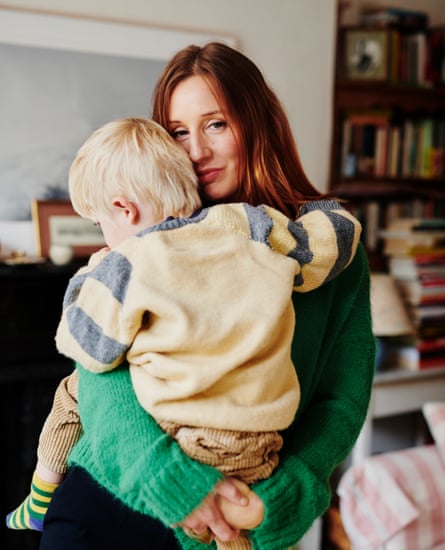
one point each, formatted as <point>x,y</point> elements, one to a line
<point>273,173</point>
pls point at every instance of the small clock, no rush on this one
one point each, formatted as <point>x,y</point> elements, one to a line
<point>366,54</point>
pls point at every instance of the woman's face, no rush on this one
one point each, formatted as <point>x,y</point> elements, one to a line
<point>199,124</point>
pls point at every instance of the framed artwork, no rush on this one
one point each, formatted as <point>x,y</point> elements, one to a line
<point>365,54</point>
<point>66,76</point>
<point>56,222</point>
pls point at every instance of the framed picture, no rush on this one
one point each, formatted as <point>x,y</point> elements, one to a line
<point>365,54</point>
<point>56,222</point>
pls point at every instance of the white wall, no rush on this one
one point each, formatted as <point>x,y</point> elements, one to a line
<point>291,40</point>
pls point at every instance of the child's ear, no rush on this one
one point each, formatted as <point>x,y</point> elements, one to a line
<point>128,208</point>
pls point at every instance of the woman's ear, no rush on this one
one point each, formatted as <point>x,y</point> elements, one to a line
<point>128,208</point>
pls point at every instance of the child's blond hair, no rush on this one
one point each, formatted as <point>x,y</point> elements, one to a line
<point>135,158</point>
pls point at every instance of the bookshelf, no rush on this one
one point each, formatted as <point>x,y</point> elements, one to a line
<point>388,141</point>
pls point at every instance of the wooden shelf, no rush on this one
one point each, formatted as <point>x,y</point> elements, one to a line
<point>390,187</point>
<point>395,376</point>
<point>350,94</point>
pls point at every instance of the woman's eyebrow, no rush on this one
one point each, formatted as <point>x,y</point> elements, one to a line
<point>209,113</point>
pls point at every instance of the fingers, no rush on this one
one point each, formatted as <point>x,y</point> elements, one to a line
<point>205,537</point>
<point>208,515</point>
<point>242,517</point>
<point>233,490</point>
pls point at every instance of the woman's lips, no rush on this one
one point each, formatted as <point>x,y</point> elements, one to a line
<point>208,176</point>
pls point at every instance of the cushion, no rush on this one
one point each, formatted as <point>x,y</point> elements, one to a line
<point>434,413</point>
<point>395,500</point>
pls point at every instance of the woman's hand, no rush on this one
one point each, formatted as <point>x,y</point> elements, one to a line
<point>209,516</point>
<point>230,507</point>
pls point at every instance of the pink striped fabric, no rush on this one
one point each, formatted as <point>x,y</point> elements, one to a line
<point>395,501</point>
<point>434,414</point>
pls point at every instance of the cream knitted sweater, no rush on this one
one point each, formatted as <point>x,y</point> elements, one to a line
<point>201,309</point>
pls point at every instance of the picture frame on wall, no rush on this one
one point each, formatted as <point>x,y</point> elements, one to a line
<point>366,54</point>
<point>56,223</point>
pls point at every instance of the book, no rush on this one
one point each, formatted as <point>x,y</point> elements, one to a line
<point>423,291</point>
<point>371,225</point>
<point>424,166</point>
<point>363,140</point>
<point>430,327</point>
<point>437,152</point>
<point>416,266</point>
<point>394,152</point>
<point>428,320</point>
<point>431,352</point>
<point>436,49</point>
<point>406,236</point>
<point>408,141</point>
<point>381,151</point>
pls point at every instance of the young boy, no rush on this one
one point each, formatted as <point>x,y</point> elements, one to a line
<point>197,301</point>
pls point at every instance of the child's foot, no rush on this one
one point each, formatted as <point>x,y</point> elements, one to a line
<point>30,514</point>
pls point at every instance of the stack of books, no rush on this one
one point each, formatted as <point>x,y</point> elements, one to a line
<point>416,260</point>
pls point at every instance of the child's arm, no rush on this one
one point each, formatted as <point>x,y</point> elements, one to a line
<point>323,241</point>
<point>96,329</point>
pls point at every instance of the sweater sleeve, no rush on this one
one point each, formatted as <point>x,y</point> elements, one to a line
<point>98,326</point>
<point>332,411</point>
<point>124,449</point>
<point>323,241</point>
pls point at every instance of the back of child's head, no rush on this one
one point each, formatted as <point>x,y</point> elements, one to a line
<point>137,159</point>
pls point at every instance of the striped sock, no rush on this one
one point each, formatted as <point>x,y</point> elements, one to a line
<point>30,514</point>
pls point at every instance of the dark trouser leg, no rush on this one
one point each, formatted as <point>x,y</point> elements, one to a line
<point>84,516</point>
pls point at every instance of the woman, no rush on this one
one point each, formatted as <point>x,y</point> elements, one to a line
<point>216,104</point>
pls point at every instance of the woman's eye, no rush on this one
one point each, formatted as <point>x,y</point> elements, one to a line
<point>217,124</point>
<point>179,134</point>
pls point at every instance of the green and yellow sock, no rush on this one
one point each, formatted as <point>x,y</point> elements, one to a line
<point>30,514</point>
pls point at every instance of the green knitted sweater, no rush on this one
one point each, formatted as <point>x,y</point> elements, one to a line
<point>126,452</point>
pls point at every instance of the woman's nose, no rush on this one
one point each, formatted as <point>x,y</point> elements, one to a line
<point>199,149</point>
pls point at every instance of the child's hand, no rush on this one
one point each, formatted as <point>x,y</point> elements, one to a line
<point>242,516</point>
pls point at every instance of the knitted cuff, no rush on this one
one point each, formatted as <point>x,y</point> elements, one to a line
<point>323,204</point>
<point>169,493</point>
<point>280,526</point>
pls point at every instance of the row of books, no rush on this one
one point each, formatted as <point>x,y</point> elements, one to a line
<point>416,59</point>
<point>374,144</point>
<point>416,260</point>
